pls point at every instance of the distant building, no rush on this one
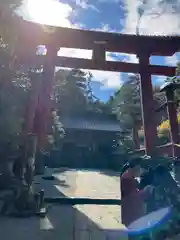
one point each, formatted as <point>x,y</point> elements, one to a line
<point>88,140</point>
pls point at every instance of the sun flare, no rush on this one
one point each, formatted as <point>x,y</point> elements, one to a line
<point>50,12</point>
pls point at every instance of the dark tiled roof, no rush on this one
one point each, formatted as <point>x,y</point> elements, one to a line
<point>81,123</point>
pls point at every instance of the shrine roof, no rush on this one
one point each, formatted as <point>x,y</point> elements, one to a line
<point>91,124</point>
<point>84,39</point>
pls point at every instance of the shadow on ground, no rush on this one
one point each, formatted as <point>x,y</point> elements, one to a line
<point>62,222</point>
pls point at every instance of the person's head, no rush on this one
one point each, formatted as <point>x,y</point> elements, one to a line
<point>135,165</point>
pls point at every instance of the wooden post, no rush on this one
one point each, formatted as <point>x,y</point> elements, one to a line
<point>99,52</point>
<point>147,104</point>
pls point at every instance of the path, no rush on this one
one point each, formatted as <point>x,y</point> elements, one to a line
<point>72,223</point>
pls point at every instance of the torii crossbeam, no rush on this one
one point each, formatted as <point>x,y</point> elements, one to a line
<point>31,35</point>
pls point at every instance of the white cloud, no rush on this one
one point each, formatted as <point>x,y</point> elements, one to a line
<point>85,5</point>
<point>123,57</point>
<point>160,79</point>
<point>131,16</point>
<point>113,56</point>
<point>75,53</point>
<point>108,79</point>
<point>107,1</point>
<point>132,58</point>
<point>173,60</point>
<point>158,18</point>
<point>166,24</point>
<point>104,28</point>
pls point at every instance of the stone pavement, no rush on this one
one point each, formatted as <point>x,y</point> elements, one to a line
<point>83,222</point>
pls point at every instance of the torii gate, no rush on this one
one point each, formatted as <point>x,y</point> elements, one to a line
<point>32,34</point>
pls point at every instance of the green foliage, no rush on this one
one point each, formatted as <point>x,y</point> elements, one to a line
<point>8,20</point>
<point>69,90</point>
<point>126,102</point>
<point>125,145</point>
<point>73,93</point>
<point>175,79</point>
<point>178,69</point>
<point>14,83</point>
<point>163,128</point>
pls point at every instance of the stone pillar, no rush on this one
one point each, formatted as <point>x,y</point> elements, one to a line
<point>147,104</point>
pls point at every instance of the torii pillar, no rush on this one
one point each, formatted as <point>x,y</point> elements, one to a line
<point>147,103</point>
<point>43,112</point>
<point>39,104</point>
<point>169,89</point>
<point>45,94</point>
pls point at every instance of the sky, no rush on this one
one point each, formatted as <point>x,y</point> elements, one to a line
<point>160,17</point>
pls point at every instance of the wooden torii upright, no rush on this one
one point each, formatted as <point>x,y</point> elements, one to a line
<point>31,35</point>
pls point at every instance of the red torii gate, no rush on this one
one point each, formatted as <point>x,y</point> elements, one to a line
<point>31,35</point>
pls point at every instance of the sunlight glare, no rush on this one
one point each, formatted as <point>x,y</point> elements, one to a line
<point>50,12</point>
<point>45,224</point>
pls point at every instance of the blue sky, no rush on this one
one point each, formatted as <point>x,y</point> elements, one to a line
<point>159,18</point>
